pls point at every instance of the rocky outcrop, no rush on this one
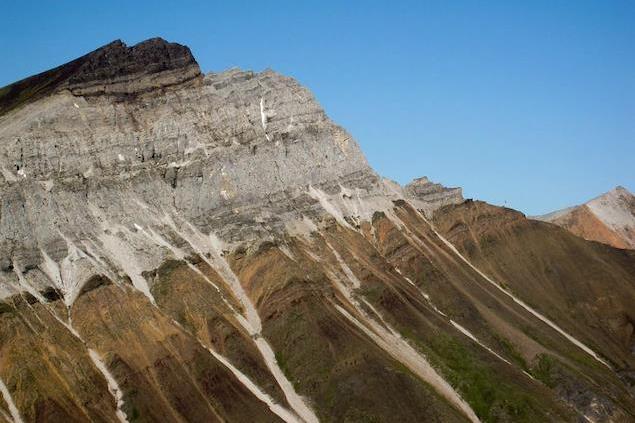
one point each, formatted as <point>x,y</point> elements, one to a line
<point>235,153</point>
<point>116,69</point>
<point>113,69</point>
<point>609,218</point>
<point>431,196</point>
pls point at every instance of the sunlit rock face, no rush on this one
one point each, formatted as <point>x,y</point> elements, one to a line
<point>140,129</point>
<point>177,246</point>
<point>609,218</point>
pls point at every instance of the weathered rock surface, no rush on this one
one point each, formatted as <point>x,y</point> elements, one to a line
<point>114,69</point>
<point>187,247</point>
<point>431,196</point>
<point>234,152</point>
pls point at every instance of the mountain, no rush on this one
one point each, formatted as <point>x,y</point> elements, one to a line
<point>609,218</point>
<point>180,246</point>
<point>429,196</point>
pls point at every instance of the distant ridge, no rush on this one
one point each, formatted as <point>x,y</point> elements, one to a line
<point>609,218</point>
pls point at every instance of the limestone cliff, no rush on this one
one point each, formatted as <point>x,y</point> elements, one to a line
<point>233,152</point>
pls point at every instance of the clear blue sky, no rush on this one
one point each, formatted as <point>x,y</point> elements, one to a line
<point>531,104</point>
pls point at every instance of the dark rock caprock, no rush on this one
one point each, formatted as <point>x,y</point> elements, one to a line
<point>112,69</point>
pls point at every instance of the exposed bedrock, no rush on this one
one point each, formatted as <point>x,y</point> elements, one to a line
<point>213,247</point>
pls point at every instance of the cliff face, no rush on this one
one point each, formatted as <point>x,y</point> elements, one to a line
<point>187,247</point>
<point>430,196</point>
<point>112,69</point>
<point>231,152</point>
<point>609,218</point>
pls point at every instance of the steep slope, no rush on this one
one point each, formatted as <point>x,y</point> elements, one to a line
<point>588,288</point>
<point>609,218</point>
<point>187,247</point>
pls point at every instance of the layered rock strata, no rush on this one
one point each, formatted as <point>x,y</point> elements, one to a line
<point>187,247</point>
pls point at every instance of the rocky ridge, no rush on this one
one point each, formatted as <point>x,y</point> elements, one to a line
<point>234,152</point>
<point>430,196</point>
<point>609,218</point>
<point>114,69</point>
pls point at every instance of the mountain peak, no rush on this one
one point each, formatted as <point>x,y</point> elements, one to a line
<point>117,60</point>
<point>608,218</point>
<point>619,193</point>
<point>621,190</point>
<point>431,196</point>
<point>114,69</point>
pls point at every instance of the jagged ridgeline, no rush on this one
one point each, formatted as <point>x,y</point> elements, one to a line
<point>180,246</point>
<point>113,69</point>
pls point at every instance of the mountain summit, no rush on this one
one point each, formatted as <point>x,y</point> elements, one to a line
<point>179,246</point>
<point>112,69</point>
<point>609,218</point>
